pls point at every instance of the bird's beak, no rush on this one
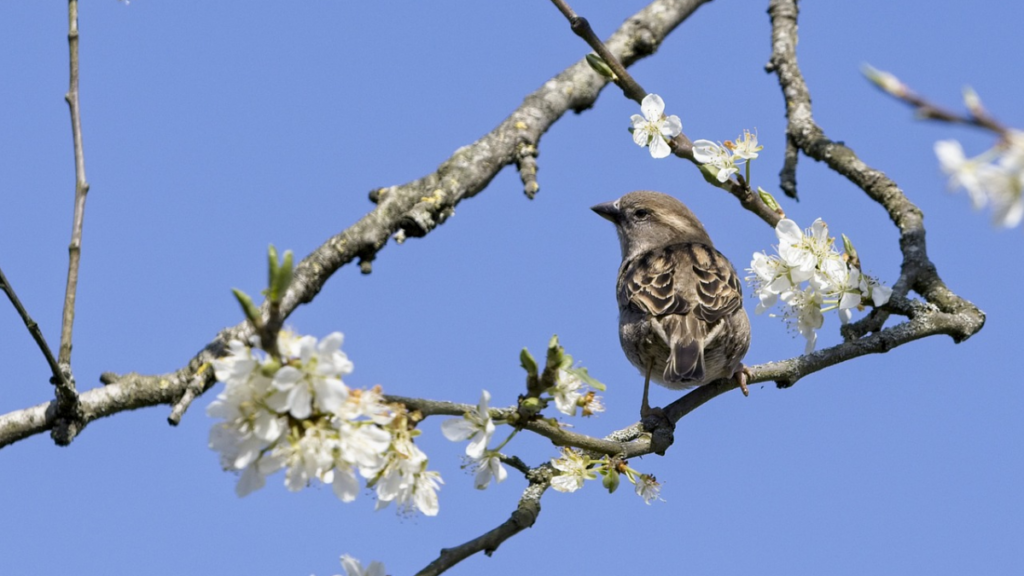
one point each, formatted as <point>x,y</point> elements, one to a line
<point>608,210</point>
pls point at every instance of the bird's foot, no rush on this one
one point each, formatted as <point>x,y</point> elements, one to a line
<point>657,423</point>
<point>646,411</point>
<point>740,376</point>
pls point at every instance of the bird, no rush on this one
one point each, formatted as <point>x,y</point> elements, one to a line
<point>681,316</point>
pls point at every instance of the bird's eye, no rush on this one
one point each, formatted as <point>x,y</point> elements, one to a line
<point>641,213</point>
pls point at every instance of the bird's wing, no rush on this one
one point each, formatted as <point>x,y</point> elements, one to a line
<point>687,289</point>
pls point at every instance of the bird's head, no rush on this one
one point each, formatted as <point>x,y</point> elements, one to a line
<point>649,220</point>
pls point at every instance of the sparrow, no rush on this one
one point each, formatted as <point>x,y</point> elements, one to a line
<point>681,316</point>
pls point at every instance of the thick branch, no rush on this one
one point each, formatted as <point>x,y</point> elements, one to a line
<point>122,392</point>
<point>412,209</point>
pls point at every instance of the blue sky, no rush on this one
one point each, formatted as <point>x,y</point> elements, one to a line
<point>213,129</point>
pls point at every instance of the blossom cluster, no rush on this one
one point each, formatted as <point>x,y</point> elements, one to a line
<point>833,280</point>
<point>569,394</point>
<point>994,177</point>
<point>293,412</point>
<point>574,469</point>
<point>723,160</point>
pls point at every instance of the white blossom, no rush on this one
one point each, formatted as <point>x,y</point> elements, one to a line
<point>648,488</point>
<point>716,157</point>
<point>879,294</point>
<point>745,147</point>
<point>653,129</point>
<point>961,172</point>
<point>476,426</point>
<point>995,177</point>
<point>354,567</point>
<point>804,308</point>
<point>801,250</point>
<point>488,467</point>
<point>406,481</point>
<point>314,373</point>
<point>573,470</point>
<point>425,492</point>
<point>566,392</point>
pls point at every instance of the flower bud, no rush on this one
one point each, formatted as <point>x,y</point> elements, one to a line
<point>601,67</point>
<point>252,313</point>
<point>610,480</point>
<point>279,275</point>
<point>769,201</point>
<point>851,253</point>
<point>528,363</point>
<point>885,81</point>
<point>973,102</point>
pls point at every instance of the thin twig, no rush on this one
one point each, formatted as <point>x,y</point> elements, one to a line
<point>515,462</point>
<point>925,109</point>
<point>67,398</point>
<point>81,189</point>
<point>194,388</point>
<point>526,164</point>
<point>581,27</point>
<point>33,328</point>
<point>681,145</point>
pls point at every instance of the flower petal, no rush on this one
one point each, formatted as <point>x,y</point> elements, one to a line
<point>659,148</point>
<point>653,107</point>
<point>672,127</point>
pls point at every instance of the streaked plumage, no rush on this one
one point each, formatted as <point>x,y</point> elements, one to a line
<point>681,317</point>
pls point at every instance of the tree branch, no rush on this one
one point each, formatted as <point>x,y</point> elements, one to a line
<point>522,518</point>
<point>33,328</point>
<point>923,108</point>
<point>412,210</point>
<point>917,273</point>
<point>67,398</point>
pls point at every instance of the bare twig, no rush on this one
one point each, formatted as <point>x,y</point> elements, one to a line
<point>67,398</point>
<point>581,27</point>
<point>522,518</point>
<point>923,108</point>
<point>526,163</point>
<point>787,176</point>
<point>33,328</point>
<point>81,188</point>
<point>194,388</point>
